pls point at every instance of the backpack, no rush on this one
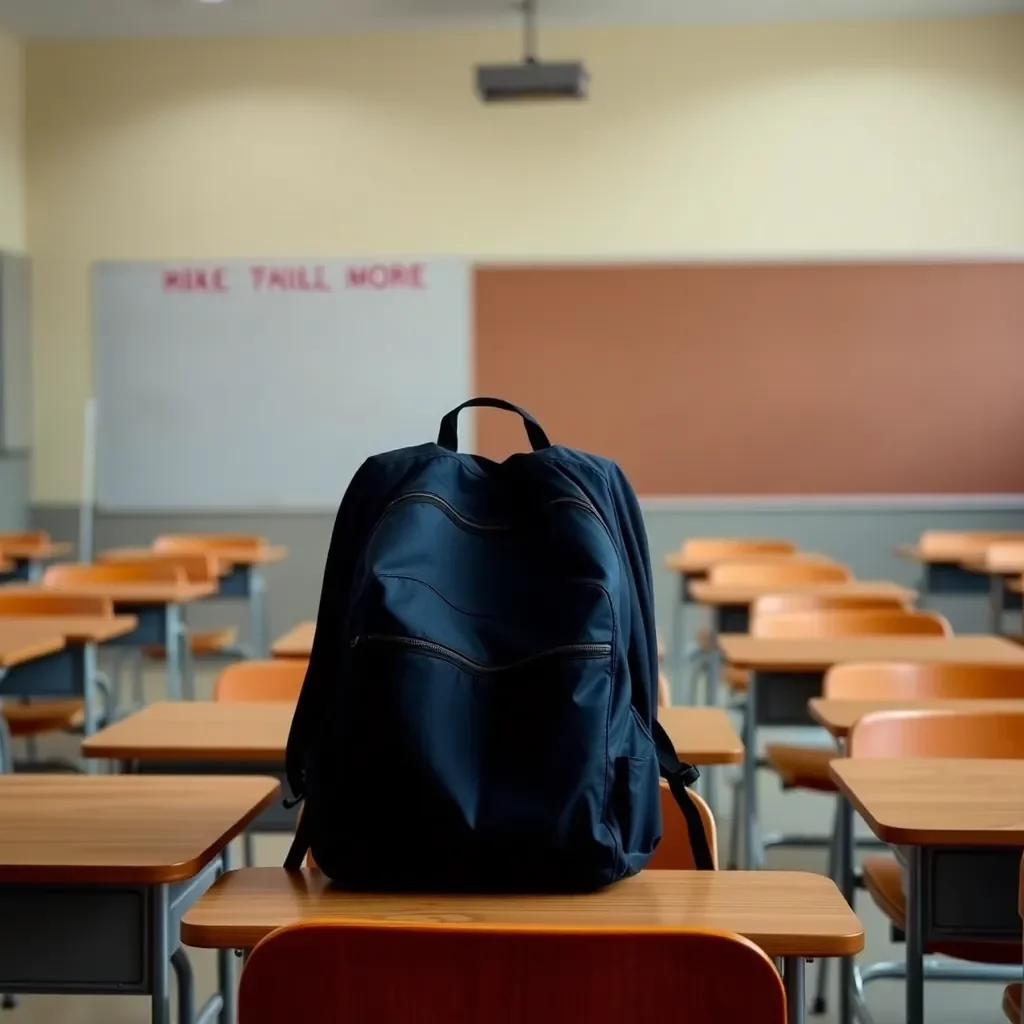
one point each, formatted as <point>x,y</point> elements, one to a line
<point>479,711</point>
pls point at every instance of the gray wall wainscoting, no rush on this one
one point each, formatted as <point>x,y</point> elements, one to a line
<point>861,532</point>
<point>14,492</point>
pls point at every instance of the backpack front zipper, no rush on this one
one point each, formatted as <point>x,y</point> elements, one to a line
<point>434,650</point>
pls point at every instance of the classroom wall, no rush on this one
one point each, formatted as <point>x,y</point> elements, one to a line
<point>14,470</point>
<point>823,139</point>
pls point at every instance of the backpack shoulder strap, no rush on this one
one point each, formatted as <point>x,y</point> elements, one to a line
<point>680,776</point>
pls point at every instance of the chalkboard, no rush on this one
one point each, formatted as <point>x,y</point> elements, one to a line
<point>265,383</point>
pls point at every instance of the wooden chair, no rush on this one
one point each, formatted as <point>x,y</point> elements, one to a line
<point>30,719</point>
<point>73,574</point>
<point>1012,1000</point>
<point>466,973</point>
<point>184,542</point>
<point>946,734</point>
<point>722,548</point>
<point>256,681</point>
<point>674,852</point>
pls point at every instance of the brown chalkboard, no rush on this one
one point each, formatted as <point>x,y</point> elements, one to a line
<point>767,378</point>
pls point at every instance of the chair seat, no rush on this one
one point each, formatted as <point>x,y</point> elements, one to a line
<point>883,879</point>
<point>41,716</point>
<point>737,679</point>
<point>1011,1003</point>
<point>802,767</point>
<point>215,641</point>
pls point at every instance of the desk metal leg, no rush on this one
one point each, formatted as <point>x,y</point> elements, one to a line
<point>258,612</point>
<point>710,773</point>
<point>678,641</point>
<point>186,986</point>
<point>845,881</point>
<point>173,645</point>
<point>793,980</point>
<point>34,571</point>
<point>90,699</point>
<point>226,963</point>
<point>160,963</point>
<point>996,599</point>
<point>751,860</point>
<point>188,669</point>
<point>915,938</point>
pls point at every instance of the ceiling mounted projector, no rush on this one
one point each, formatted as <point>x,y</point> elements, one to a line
<point>531,79</point>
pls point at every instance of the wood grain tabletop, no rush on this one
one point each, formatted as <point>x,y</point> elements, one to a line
<point>936,801</point>
<point>708,593</point>
<point>785,913</point>
<point>121,828</point>
<point>816,654</point>
<point>840,716</point>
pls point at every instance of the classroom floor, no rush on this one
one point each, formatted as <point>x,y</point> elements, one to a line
<point>945,1003</point>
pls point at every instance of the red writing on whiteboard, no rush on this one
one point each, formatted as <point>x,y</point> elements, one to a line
<point>379,276</point>
<point>290,279</point>
<point>213,281</point>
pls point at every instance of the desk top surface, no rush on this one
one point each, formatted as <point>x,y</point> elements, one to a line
<point>690,566</point>
<point>244,732</point>
<point>786,913</point>
<point>702,736</point>
<point>840,716</point>
<point>296,643</point>
<point>79,628</point>
<point>30,550</point>
<point>197,730</point>
<point>157,592</point>
<point>24,640</point>
<point>821,653</point>
<point>122,829</point>
<point>706,592</point>
<point>937,801</point>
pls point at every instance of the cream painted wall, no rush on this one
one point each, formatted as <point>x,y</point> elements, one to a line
<point>814,139</point>
<point>12,143</point>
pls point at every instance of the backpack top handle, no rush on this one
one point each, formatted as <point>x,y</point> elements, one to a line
<point>448,436</point>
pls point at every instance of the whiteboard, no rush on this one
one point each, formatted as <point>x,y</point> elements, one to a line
<point>264,384</point>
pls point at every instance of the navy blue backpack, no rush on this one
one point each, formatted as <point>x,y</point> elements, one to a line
<point>479,712</point>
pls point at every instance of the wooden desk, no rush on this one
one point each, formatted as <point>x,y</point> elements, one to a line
<point>28,557</point>
<point>95,872</point>
<point>296,643</point>
<point>158,608</point>
<point>243,733</point>
<point>702,736</point>
<point>231,733</point>
<point>942,568</point>
<point>999,563</point>
<point>785,673</point>
<point>960,824</point>
<point>789,915</point>
<point>70,671</point>
<point>719,595</point>
<point>840,716</point>
<point>23,640</point>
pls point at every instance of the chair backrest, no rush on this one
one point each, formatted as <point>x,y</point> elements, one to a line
<point>199,566</point>
<point>807,601</point>
<point>783,573</point>
<point>38,602</point>
<point>279,680</point>
<point>468,973</point>
<point>674,852</point>
<point>968,734</point>
<point>830,622</point>
<point>734,547</point>
<point>924,681</point>
<point>961,543</point>
<point>201,541</point>
<point>144,571</point>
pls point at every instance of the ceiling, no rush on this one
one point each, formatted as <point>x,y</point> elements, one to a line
<point>76,18</point>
